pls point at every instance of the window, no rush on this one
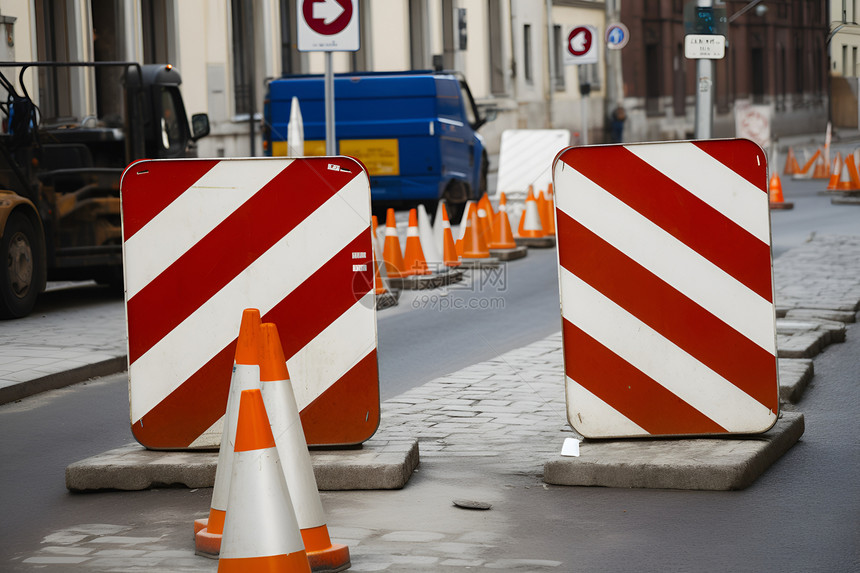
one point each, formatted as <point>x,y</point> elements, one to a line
<point>559,43</point>
<point>290,56</point>
<point>243,57</point>
<point>497,64</point>
<point>528,73</point>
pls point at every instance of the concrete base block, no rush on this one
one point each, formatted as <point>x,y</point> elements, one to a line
<point>377,464</point>
<point>728,463</point>
<point>424,282</point>
<point>510,254</point>
<point>794,376</point>
<point>541,243</point>
<point>387,300</point>
<point>846,200</point>
<point>806,338</point>
<point>473,264</point>
<point>785,205</point>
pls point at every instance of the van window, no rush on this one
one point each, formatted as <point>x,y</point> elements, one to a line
<point>171,131</point>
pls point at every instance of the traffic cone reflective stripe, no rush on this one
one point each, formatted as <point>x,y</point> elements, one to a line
<point>530,225</point>
<point>449,249</point>
<point>295,459</point>
<point>467,215</point>
<point>392,255</point>
<point>246,375</point>
<point>261,532</point>
<point>413,260</point>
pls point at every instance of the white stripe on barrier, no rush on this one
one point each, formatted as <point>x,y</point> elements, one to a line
<point>705,177</point>
<point>659,358</point>
<point>179,354</point>
<point>212,199</point>
<point>601,418</point>
<point>330,355</point>
<point>668,258</point>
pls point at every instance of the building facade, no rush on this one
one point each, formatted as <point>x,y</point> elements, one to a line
<point>510,51</point>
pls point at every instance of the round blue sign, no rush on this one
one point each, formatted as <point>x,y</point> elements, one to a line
<point>617,36</point>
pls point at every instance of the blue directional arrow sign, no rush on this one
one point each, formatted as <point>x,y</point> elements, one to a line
<point>617,36</point>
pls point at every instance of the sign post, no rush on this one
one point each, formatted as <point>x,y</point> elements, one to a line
<point>582,49</point>
<point>328,26</point>
<point>705,41</point>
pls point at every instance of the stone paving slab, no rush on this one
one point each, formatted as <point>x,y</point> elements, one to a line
<point>696,463</point>
<point>378,464</point>
<point>794,376</point>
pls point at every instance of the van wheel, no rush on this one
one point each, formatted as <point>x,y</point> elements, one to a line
<point>455,197</point>
<point>20,267</point>
<point>482,181</point>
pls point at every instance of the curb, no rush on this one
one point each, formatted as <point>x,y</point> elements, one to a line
<point>63,379</point>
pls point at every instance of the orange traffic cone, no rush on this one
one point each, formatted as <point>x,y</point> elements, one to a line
<point>449,250</point>
<point>503,237</point>
<point>470,207</point>
<point>295,459</point>
<point>474,245</point>
<point>450,258</point>
<point>835,172</point>
<point>530,225</point>
<point>260,532</point>
<point>414,262</point>
<point>391,254</point>
<point>246,375</point>
<point>820,170</point>
<point>849,180</point>
<point>548,220</point>
<point>484,225</point>
<point>775,194</point>
<point>792,167</point>
<point>485,204</point>
<point>379,268</point>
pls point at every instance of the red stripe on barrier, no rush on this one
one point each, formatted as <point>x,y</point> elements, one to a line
<point>356,402</point>
<point>315,304</point>
<point>666,310</point>
<point>743,157</point>
<point>629,391</point>
<point>679,213</point>
<point>322,298</point>
<point>181,289</point>
<point>140,204</point>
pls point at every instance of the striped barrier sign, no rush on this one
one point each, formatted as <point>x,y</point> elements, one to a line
<point>666,289</point>
<point>205,239</point>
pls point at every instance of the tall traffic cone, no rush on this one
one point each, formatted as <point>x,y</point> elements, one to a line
<point>835,172</point>
<point>792,167</point>
<point>414,262</point>
<point>246,376</point>
<point>548,218</point>
<point>392,255</point>
<point>260,532</point>
<point>503,236</point>
<point>848,179</point>
<point>474,245</point>
<point>484,225</point>
<point>449,250</point>
<point>470,207</point>
<point>775,193</point>
<point>295,459</point>
<point>485,204</point>
<point>530,225</point>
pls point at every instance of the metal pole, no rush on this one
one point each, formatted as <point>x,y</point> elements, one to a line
<point>704,90</point>
<point>330,141</point>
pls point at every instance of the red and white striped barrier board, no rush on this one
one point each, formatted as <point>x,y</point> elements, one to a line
<point>205,239</point>
<point>666,289</point>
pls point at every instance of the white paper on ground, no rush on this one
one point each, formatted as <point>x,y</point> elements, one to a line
<point>570,447</point>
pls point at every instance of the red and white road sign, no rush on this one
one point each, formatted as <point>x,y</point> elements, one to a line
<point>581,46</point>
<point>205,239</point>
<point>328,26</point>
<point>666,289</point>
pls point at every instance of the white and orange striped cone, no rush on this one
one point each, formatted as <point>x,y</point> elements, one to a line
<point>474,244</point>
<point>485,204</point>
<point>380,277</point>
<point>414,262</point>
<point>261,533</point>
<point>848,178</point>
<point>775,194</point>
<point>503,237</point>
<point>835,172</point>
<point>484,225</point>
<point>449,250</point>
<point>295,459</point>
<point>246,376</point>
<point>428,242</point>
<point>821,171</point>
<point>438,228</point>
<point>548,218</point>
<point>792,167</point>
<point>530,225</point>
<point>391,254</point>
<point>470,207</point>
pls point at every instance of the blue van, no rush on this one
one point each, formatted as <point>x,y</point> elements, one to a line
<point>416,132</point>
